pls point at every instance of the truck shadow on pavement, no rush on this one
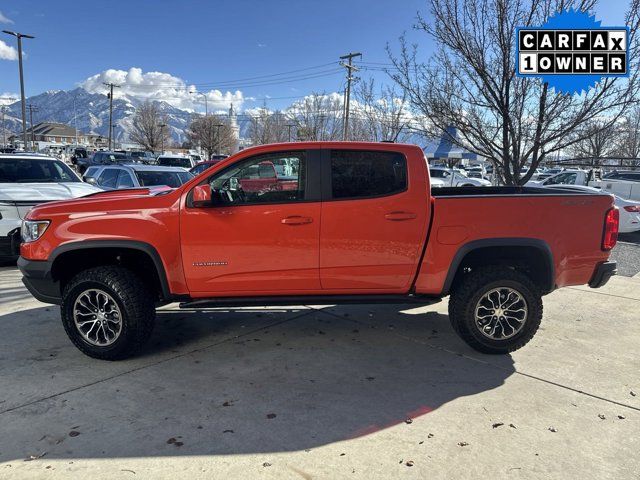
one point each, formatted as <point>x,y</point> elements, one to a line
<point>232,382</point>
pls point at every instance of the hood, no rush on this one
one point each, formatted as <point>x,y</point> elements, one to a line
<point>34,193</point>
<point>101,201</point>
<point>26,195</point>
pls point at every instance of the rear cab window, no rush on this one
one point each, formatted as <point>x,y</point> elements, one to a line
<point>367,174</point>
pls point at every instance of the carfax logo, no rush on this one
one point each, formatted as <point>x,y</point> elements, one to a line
<point>572,51</point>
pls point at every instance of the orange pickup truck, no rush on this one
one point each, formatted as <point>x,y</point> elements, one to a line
<point>357,223</point>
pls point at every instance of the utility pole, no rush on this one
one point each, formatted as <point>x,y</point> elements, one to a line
<point>4,131</point>
<point>20,36</point>
<point>33,137</point>
<point>75,118</point>
<point>162,127</point>
<point>289,127</point>
<point>347,92</point>
<point>111,87</point>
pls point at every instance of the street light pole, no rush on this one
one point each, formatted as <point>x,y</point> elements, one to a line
<point>20,36</point>
<point>206,105</point>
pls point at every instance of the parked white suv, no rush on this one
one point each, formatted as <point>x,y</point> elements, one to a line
<point>26,181</point>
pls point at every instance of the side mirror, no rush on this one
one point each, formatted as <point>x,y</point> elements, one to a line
<point>202,196</point>
<point>91,180</point>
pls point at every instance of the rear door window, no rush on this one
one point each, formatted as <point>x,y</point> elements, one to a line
<point>363,174</point>
<point>108,178</point>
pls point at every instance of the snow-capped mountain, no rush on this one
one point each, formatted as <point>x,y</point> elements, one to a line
<point>90,113</point>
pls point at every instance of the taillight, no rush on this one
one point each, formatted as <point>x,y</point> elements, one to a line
<point>632,208</point>
<point>611,221</point>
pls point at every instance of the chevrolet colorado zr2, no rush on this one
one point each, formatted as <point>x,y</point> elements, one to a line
<point>344,222</point>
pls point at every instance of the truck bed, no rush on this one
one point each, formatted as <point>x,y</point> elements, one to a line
<point>567,224</point>
<point>503,191</point>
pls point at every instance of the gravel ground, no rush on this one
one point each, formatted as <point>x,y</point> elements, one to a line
<point>627,254</point>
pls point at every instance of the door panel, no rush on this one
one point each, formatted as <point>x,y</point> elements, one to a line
<point>251,248</point>
<point>373,243</point>
<point>265,240</point>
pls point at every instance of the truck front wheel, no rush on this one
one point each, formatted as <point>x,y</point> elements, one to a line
<point>496,309</point>
<point>107,312</point>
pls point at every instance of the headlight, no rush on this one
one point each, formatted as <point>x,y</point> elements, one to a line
<point>33,229</point>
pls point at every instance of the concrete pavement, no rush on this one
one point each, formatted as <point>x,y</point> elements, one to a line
<point>325,392</point>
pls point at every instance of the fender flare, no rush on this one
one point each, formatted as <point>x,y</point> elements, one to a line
<point>147,248</point>
<point>469,247</point>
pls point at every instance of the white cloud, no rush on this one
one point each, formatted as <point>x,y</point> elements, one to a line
<point>161,87</point>
<point>7,52</point>
<point>4,19</point>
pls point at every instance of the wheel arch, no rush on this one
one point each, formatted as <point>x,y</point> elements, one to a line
<point>530,254</point>
<point>143,257</point>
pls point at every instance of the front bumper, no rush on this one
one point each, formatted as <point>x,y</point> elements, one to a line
<point>36,276</point>
<point>604,271</point>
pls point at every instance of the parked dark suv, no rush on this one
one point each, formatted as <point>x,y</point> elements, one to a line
<point>101,158</point>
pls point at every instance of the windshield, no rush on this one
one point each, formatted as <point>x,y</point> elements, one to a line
<point>153,178</point>
<point>174,162</point>
<point>140,155</point>
<point>28,170</point>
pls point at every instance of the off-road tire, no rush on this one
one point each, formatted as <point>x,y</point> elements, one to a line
<point>474,285</point>
<point>134,300</point>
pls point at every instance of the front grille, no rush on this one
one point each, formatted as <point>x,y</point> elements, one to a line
<point>15,239</point>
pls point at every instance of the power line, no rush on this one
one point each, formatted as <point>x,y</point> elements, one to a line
<point>279,74</point>
<point>242,80</point>
<point>231,86</point>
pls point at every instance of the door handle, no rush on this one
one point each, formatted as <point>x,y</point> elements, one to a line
<point>399,216</point>
<point>296,220</point>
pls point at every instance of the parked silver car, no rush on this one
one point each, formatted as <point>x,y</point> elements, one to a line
<point>111,177</point>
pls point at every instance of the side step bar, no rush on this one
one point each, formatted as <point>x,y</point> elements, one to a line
<point>310,300</point>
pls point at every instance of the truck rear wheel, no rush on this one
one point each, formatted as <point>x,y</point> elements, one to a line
<point>496,309</point>
<point>107,312</point>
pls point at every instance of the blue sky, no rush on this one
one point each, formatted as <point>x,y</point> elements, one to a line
<point>208,43</point>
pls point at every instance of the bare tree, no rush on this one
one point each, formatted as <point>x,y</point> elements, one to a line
<point>212,133</point>
<point>597,139</point>
<point>470,84</point>
<point>149,127</point>
<point>629,137</point>
<point>267,127</point>
<point>317,117</point>
<point>382,114</point>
